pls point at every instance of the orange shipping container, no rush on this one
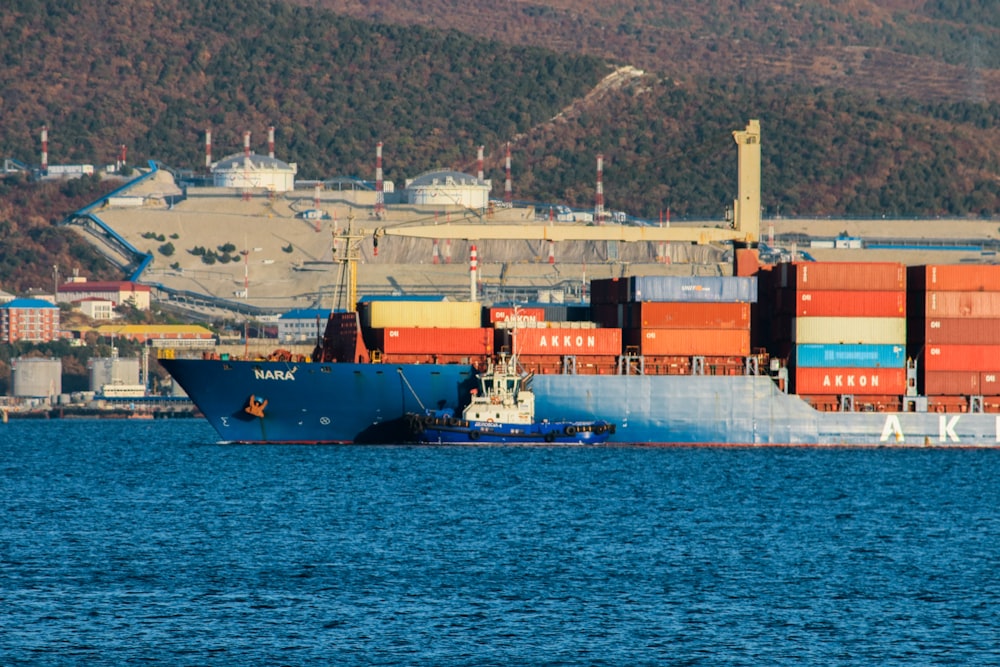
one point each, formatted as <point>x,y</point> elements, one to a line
<point>983,305</point>
<point>506,314</point>
<point>450,340</point>
<point>866,276</point>
<point>858,381</point>
<point>951,383</point>
<point>955,277</point>
<point>989,383</point>
<point>694,315</point>
<point>690,342</point>
<point>962,358</point>
<point>849,303</point>
<point>956,331</point>
<point>568,341</point>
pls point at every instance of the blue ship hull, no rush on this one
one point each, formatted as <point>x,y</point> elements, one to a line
<point>368,403</point>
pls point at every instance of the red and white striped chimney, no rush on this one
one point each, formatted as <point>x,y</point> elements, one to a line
<point>473,272</point>
<point>246,144</point>
<point>45,149</point>
<point>508,193</point>
<point>480,174</point>
<point>599,204</point>
<point>270,141</point>
<point>379,185</point>
<point>208,149</point>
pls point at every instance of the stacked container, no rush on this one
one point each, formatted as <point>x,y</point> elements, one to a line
<point>425,331</point>
<point>667,318</point>
<point>843,326</point>
<point>954,323</point>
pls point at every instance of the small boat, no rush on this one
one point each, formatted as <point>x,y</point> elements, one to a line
<point>502,410</point>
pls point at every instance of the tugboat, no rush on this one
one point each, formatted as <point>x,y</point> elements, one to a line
<point>502,411</point>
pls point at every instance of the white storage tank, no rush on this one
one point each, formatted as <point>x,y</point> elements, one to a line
<point>448,188</point>
<point>37,377</point>
<point>109,370</point>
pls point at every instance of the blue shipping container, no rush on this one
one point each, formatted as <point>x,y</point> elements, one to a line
<point>694,288</point>
<point>850,356</point>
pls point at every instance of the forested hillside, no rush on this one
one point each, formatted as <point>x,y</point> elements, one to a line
<point>153,74</point>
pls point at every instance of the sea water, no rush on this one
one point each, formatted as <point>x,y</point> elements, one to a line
<point>135,542</point>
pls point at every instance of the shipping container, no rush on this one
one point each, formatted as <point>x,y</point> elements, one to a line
<point>567,341</point>
<point>611,315</point>
<point>955,331</point>
<point>521,314</point>
<point>689,342</point>
<point>694,288</point>
<point>850,381</point>
<point>687,315</point>
<point>977,305</point>
<point>402,314</point>
<point>989,383</point>
<point>863,276</point>
<point>412,340</point>
<point>954,278</point>
<point>610,290</point>
<point>850,356</point>
<point>843,303</point>
<point>984,358</point>
<point>950,383</point>
<point>857,330</point>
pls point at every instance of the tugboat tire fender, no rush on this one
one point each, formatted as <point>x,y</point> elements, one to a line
<point>570,430</point>
<point>550,437</point>
<point>473,435</point>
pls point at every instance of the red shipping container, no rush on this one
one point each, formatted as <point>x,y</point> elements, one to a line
<point>859,381</point>
<point>690,342</point>
<point>958,331</point>
<point>850,303</point>
<point>955,277</point>
<point>989,383</point>
<point>962,358</point>
<point>506,314</point>
<point>675,315</point>
<point>983,305</point>
<point>568,341</point>
<point>951,383</point>
<point>865,276</point>
<point>445,340</point>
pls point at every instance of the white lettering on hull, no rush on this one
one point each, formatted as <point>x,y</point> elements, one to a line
<point>269,374</point>
<point>892,428</point>
<point>947,428</point>
<point>850,380</point>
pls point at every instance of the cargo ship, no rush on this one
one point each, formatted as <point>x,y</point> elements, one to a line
<point>807,353</point>
<point>872,354</point>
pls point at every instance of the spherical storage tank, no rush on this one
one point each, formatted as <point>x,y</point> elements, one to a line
<point>107,370</point>
<point>36,377</point>
<point>448,188</point>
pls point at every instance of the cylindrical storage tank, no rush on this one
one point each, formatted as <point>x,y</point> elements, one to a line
<point>36,377</point>
<point>106,370</point>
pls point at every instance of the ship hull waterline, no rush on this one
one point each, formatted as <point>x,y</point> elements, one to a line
<point>330,403</point>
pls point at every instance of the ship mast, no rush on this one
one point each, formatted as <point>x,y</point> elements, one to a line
<point>347,256</point>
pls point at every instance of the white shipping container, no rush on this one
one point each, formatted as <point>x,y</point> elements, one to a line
<point>849,330</point>
<point>407,314</point>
